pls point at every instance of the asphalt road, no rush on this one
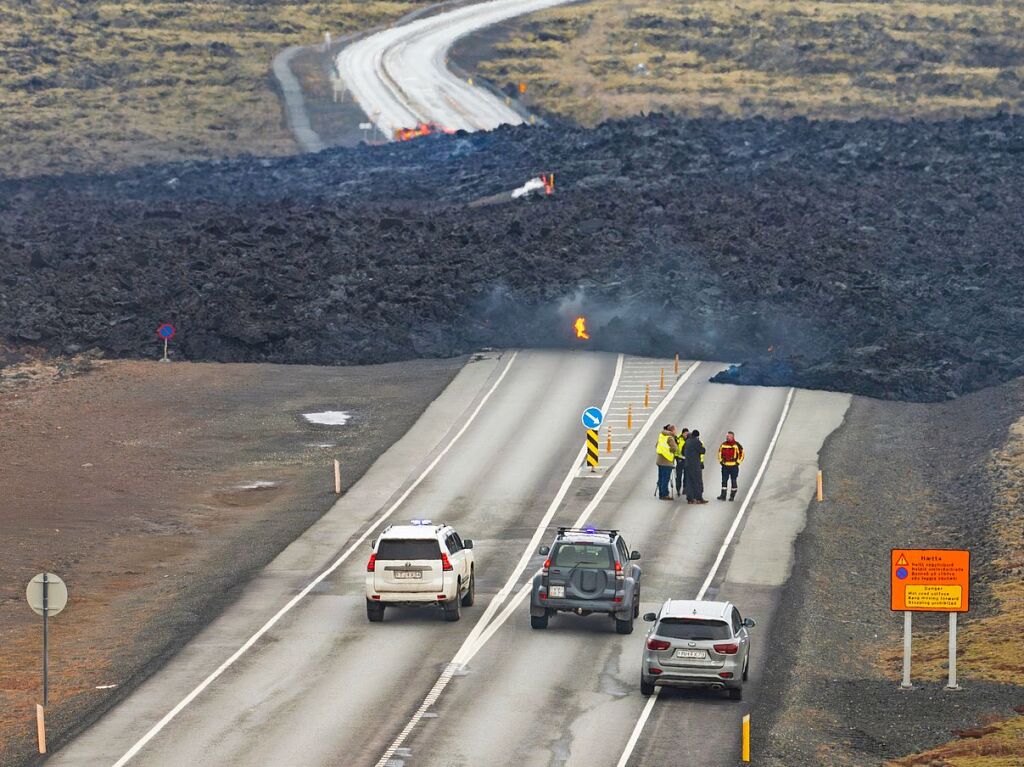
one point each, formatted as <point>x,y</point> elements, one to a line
<point>400,75</point>
<point>293,673</point>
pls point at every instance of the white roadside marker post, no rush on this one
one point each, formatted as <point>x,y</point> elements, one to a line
<point>951,684</point>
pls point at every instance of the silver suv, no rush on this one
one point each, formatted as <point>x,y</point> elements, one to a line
<point>696,644</point>
<point>587,571</point>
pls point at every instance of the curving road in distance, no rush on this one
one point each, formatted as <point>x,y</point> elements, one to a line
<point>400,77</point>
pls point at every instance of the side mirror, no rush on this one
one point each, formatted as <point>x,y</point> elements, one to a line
<point>749,623</point>
<point>467,544</point>
<point>544,550</point>
<point>634,555</point>
<point>650,617</point>
<point>372,544</point>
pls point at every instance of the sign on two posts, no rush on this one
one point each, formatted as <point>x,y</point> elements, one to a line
<point>929,580</point>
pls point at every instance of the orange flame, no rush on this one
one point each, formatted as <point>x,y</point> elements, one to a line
<point>581,328</point>
<point>423,129</point>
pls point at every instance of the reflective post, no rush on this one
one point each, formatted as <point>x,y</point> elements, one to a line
<point>906,685</point>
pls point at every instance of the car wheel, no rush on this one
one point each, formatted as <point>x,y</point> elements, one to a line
<point>746,667</point>
<point>646,688</point>
<point>470,596</point>
<point>624,627</point>
<point>636,604</point>
<point>453,609</point>
<point>538,621</point>
<point>374,611</point>
<point>735,693</point>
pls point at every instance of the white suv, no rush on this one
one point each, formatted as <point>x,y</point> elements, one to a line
<point>420,564</point>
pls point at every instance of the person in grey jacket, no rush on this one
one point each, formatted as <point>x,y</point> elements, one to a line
<point>693,454</point>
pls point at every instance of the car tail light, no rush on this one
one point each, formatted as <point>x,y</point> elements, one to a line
<point>372,564</point>
<point>441,597</point>
<point>446,565</point>
<point>654,670</point>
<point>617,599</point>
<point>618,571</point>
<point>547,566</point>
<point>725,674</point>
<point>727,649</point>
<point>658,644</point>
<point>542,595</point>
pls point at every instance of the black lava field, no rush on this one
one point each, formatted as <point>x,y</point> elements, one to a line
<point>880,258</point>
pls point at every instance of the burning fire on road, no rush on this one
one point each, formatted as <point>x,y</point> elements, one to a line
<point>423,129</point>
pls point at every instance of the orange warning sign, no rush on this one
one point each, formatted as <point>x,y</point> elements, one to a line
<point>930,580</point>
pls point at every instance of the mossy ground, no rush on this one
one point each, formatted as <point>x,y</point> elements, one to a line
<point>96,86</point>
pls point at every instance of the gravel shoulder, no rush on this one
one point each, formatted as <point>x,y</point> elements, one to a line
<point>896,475</point>
<point>155,491</point>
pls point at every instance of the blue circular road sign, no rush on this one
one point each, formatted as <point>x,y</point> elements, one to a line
<point>592,418</point>
<point>165,331</point>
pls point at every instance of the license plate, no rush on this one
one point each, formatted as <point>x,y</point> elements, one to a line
<point>690,654</point>
<point>403,574</point>
<point>556,592</point>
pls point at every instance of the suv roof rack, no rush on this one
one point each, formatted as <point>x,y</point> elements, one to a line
<point>588,531</point>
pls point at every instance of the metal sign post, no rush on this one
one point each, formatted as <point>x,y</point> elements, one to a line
<point>905,684</point>
<point>166,332</point>
<point>47,595</point>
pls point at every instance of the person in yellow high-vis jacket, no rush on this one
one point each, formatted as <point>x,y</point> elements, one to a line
<point>666,460</point>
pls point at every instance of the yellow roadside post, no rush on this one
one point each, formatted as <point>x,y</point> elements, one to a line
<point>608,444</point>
<point>821,488</point>
<point>661,383</point>
<point>647,395</point>
<point>677,364</point>
<point>337,477</point>
<point>746,737</point>
<point>592,448</point>
<point>629,417</point>
<point>41,728</point>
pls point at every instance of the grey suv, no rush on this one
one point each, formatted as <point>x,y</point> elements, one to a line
<point>587,571</point>
<point>696,644</point>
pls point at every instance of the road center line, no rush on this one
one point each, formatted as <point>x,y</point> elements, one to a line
<point>155,729</point>
<point>483,630</point>
<point>649,706</point>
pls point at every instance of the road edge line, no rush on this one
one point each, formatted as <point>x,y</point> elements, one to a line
<point>649,706</point>
<point>196,691</point>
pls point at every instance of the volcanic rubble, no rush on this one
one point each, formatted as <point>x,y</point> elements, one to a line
<point>876,257</point>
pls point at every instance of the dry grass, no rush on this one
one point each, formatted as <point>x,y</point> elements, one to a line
<point>989,648</point>
<point>101,85</point>
<point>612,58</point>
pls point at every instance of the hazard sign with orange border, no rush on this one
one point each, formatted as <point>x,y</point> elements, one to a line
<point>930,580</point>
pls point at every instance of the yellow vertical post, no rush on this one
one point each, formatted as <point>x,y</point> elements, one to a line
<point>746,737</point>
<point>677,364</point>
<point>821,488</point>
<point>629,417</point>
<point>337,477</point>
<point>608,444</point>
<point>661,383</point>
<point>647,395</point>
<point>41,728</point>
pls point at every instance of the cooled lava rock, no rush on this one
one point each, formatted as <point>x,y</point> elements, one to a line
<point>876,257</point>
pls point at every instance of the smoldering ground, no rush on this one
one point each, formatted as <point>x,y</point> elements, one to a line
<point>875,257</point>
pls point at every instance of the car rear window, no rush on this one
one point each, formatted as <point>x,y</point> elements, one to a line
<point>583,555</point>
<point>398,548</point>
<point>693,628</point>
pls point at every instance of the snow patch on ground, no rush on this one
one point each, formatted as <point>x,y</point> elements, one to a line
<point>329,417</point>
<point>260,484</point>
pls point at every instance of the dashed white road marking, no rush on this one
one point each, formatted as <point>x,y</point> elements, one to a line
<point>483,630</point>
<point>649,706</point>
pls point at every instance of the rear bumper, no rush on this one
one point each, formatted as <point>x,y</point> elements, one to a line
<point>693,676</point>
<point>622,610</point>
<point>408,597</point>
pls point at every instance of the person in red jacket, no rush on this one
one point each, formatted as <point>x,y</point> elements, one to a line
<point>730,456</point>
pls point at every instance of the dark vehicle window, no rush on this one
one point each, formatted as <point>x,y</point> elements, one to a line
<point>452,543</point>
<point>693,628</point>
<point>396,548</point>
<point>458,541</point>
<point>623,551</point>
<point>737,621</point>
<point>583,555</point>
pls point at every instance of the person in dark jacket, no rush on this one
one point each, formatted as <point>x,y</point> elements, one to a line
<point>680,461</point>
<point>693,454</point>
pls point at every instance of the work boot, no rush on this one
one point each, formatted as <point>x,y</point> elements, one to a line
<point>722,496</point>
<point>732,495</point>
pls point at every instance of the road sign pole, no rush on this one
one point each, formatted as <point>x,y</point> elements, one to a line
<point>952,685</point>
<point>165,359</point>
<point>906,685</point>
<point>46,647</point>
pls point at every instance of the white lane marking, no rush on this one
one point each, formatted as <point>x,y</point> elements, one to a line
<point>483,631</point>
<point>649,706</point>
<point>588,510</point>
<point>298,597</point>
